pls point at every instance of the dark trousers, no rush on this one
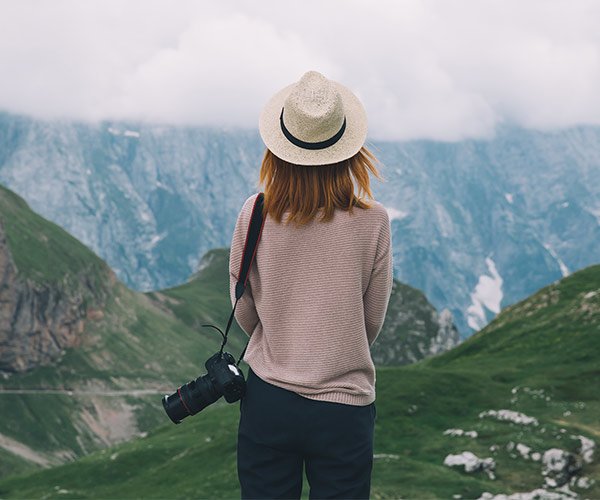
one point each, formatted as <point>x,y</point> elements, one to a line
<point>280,432</point>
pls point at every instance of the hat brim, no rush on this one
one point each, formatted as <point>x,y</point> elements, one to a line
<point>349,144</point>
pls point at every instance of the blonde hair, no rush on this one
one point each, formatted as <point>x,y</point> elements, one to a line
<point>303,190</point>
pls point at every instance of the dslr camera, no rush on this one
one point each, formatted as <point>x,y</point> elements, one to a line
<point>224,378</point>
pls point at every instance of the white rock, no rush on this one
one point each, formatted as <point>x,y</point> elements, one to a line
<point>471,463</point>
<point>379,456</point>
<point>510,415</point>
<point>586,449</point>
<point>523,450</point>
<point>584,482</point>
<point>537,494</point>
<point>460,432</point>
<point>558,467</point>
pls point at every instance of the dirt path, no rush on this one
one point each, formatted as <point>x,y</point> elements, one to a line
<point>77,392</point>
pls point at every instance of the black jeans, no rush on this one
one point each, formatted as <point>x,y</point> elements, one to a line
<point>280,432</point>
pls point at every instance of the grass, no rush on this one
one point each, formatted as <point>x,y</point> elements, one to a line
<point>414,406</point>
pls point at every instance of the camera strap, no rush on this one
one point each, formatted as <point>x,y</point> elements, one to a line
<point>252,238</point>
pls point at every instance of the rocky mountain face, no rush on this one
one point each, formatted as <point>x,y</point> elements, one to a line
<point>36,323</point>
<point>477,225</point>
<point>412,329</point>
<point>39,320</point>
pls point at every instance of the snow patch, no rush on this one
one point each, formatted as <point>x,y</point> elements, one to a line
<point>488,294</point>
<point>145,216</point>
<point>131,133</point>
<point>596,213</point>
<point>444,220</point>
<point>156,238</point>
<point>563,268</point>
<point>509,197</point>
<point>114,131</point>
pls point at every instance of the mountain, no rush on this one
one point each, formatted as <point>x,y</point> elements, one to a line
<point>518,403</point>
<point>52,285</point>
<point>84,360</point>
<point>413,329</point>
<point>477,224</point>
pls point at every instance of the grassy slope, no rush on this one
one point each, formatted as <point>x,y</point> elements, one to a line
<point>204,299</point>
<point>137,343</point>
<point>41,250</point>
<point>548,342</point>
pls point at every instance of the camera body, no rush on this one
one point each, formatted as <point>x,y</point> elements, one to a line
<point>223,378</point>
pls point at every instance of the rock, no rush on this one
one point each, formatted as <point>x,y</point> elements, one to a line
<point>510,415</point>
<point>460,432</point>
<point>586,449</point>
<point>380,456</point>
<point>413,329</point>
<point>39,321</point>
<point>558,467</point>
<point>472,463</point>
<point>537,494</point>
<point>583,482</point>
<point>523,450</point>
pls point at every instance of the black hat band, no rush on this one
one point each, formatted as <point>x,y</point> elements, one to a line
<point>311,145</point>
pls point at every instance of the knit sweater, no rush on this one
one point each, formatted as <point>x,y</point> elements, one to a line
<point>315,301</point>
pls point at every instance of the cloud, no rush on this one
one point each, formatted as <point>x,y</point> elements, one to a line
<point>424,69</point>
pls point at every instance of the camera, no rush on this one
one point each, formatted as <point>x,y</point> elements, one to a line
<point>224,378</point>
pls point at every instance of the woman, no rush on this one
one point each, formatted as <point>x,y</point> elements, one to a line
<point>315,301</point>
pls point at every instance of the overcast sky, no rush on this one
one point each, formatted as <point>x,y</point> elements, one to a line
<point>445,70</point>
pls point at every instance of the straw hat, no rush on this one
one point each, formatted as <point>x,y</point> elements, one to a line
<point>315,121</point>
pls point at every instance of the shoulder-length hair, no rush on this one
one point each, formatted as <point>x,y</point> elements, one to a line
<point>304,190</point>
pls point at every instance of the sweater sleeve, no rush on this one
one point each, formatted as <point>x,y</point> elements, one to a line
<point>378,292</point>
<point>245,311</point>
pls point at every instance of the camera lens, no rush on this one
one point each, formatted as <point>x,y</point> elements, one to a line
<point>190,398</point>
<point>173,407</point>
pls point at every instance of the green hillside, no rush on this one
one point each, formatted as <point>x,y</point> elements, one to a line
<point>538,357</point>
<point>130,341</point>
<point>43,251</point>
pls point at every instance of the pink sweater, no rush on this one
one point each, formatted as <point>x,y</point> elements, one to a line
<point>315,302</point>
